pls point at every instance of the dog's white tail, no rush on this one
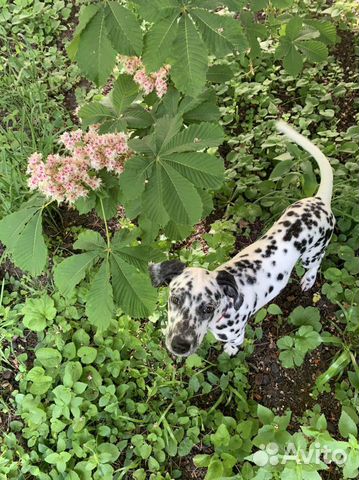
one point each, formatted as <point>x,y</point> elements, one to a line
<point>326,174</point>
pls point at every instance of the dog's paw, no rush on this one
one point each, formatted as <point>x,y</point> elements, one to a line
<point>308,280</point>
<point>231,349</point>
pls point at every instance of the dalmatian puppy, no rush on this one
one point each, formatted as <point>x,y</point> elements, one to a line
<point>222,301</point>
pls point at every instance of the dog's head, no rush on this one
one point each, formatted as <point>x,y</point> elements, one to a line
<point>197,298</point>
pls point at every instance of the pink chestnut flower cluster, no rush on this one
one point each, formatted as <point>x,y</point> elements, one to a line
<point>155,81</point>
<point>68,178</point>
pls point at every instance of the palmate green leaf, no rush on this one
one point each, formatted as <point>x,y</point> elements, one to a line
<point>21,232</point>
<point>95,55</point>
<point>177,232</point>
<point>72,270</point>
<point>124,92</point>
<point>137,117</point>
<point>294,28</point>
<point>95,112</point>
<point>112,126</point>
<point>12,225</point>
<point>207,201</point>
<point>30,252</point>
<point>181,200</point>
<point>90,240</point>
<point>99,304</point>
<point>158,42</point>
<point>205,112</point>
<point>203,108</point>
<point>86,13</point>
<point>201,169</point>
<point>253,31</point>
<point>220,33</point>
<point>165,129</point>
<point>123,29</point>
<point>314,50</point>
<point>156,10</point>
<point>145,145</point>
<point>212,31</point>
<point>190,63</point>
<point>152,198</point>
<point>327,30</point>
<point>293,61</point>
<point>169,104</point>
<point>195,137</point>
<point>132,289</point>
<point>139,256</point>
<point>219,73</point>
<point>132,180</point>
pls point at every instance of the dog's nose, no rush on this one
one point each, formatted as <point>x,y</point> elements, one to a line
<point>180,345</point>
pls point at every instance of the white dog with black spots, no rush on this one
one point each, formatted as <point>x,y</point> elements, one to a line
<point>222,301</point>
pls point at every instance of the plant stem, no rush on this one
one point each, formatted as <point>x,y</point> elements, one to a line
<point>106,226</point>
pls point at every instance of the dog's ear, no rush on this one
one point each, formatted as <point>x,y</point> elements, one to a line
<point>229,287</point>
<point>162,273</point>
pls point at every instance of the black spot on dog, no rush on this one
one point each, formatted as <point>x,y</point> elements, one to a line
<point>251,280</point>
<point>280,276</point>
<point>221,327</point>
<point>222,336</point>
<point>294,230</point>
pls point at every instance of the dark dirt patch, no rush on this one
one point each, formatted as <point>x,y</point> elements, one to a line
<point>70,102</point>
<point>344,53</point>
<point>280,388</point>
<point>63,222</point>
<point>224,150</point>
<point>333,473</point>
<point>8,382</point>
<point>7,267</point>
<point>255,231</point>
<point>70,22</point>
<point>186,465</point>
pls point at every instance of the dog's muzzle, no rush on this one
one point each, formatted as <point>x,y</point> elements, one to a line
<point>180,345</point>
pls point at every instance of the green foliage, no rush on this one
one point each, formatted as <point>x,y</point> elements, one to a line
<point>119,276</point>
<point>90,393</point>
<point>21,232</point>
<point>38,312</point>
<point>169,172</point>
<point>304,39</point>
<point>185,34</point>
<point>293,349</point>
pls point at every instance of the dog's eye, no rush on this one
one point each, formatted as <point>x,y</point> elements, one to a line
<point>175,300</point>
<point>208,309</point>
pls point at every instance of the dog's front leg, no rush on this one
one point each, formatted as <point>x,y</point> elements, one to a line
<point>232,346</point>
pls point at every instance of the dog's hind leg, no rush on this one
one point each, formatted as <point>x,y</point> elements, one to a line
<point>311,261</point>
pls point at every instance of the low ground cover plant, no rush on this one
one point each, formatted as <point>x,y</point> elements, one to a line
<point>167,150</point>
